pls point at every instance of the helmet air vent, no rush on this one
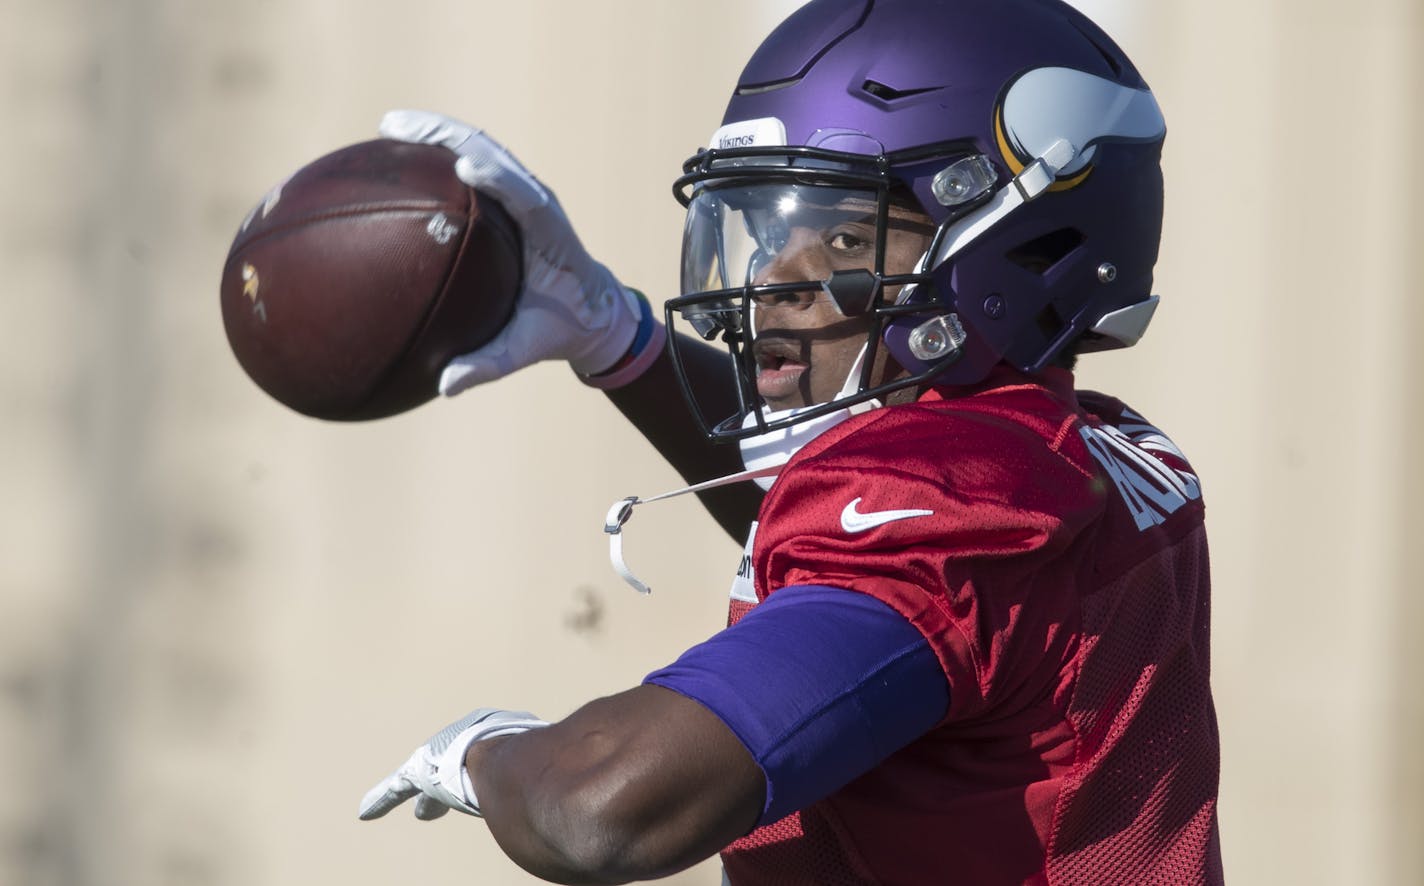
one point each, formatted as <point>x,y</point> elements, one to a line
<point>767,87</point>
<point>890,93</point>
<point>1041,254</point>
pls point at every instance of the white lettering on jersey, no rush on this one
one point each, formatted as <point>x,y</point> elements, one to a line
<point>1152,489</point>
<point>743,587</point>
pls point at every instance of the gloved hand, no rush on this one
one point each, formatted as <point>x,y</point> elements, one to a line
<point>435,773</point>
<point>571,308</point>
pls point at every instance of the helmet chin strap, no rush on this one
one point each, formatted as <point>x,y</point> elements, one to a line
<point>762,454</point>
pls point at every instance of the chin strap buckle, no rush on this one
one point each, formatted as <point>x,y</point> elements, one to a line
<point>613,525</point>
<point>619,514</point>
<point>623,509</point>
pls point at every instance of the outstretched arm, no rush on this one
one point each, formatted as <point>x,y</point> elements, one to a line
<point>763,719</point>
<point>631,787</point>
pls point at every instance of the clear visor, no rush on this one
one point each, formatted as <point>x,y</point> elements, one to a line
<point>742,235</point>
<point>736,232</point>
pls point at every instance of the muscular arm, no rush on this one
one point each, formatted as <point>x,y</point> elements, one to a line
<point>631,787</point>
<point>810,690</point>
<point>655,405</point>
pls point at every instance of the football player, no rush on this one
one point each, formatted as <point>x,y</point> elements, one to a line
<point>969,641</point>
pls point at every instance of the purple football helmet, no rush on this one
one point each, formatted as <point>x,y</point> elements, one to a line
<point>1020,129</point>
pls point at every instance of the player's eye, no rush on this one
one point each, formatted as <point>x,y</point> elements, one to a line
<point>849,242</point>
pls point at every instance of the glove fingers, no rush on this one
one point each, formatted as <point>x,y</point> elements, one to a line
<point>488,167</point>
<point>386,796</point>
<point>428,808</point>
<point>425,127</point>
<point>483,162</point>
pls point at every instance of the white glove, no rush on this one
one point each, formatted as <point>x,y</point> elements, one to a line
<point>571,307</point>
<point>436,771</point>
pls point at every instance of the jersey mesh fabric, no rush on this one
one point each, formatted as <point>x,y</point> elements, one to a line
<point>1141,809</point>
<point>789,851</point>
<point>1080,746</point>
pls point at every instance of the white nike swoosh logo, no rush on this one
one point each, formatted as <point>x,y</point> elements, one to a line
<point>854,521</point>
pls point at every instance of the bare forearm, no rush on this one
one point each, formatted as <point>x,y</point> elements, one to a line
<point>654,403</point>
<point>596,799</point>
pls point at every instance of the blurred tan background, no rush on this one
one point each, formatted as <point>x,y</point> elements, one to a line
<point>220,622</point>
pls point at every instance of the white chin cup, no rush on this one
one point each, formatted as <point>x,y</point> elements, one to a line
<point>775,448</point>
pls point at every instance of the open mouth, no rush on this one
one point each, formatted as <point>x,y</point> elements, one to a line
<point>780,365</point>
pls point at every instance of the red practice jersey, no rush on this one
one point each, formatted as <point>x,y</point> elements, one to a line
<point>1050,547</point>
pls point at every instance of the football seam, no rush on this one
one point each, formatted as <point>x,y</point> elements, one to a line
<point>472,217</point>
<point>355,209</point>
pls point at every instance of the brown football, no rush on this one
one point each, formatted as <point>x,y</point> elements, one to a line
<point>352,283</point>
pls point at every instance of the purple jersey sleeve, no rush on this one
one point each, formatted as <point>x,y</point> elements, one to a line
<point>820,684</point>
